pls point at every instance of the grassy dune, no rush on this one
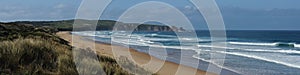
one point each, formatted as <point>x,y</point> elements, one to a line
<point>89,64</point>
<point>26,49</point>
<point>35,56</point>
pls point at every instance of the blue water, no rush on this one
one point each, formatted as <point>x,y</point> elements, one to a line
<point>247,52</point>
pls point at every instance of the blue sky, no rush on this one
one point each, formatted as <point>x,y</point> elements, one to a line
<point>238,14</point>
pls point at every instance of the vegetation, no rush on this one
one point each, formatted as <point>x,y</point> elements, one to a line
<point>27,49</point>
<point>89,64</point>
<point>67,25</point>
<point>35,56</point>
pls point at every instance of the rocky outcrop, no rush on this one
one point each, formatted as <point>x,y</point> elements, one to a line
<point>143,27</point>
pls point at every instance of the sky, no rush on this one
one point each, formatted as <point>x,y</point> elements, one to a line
<point>237,14</point>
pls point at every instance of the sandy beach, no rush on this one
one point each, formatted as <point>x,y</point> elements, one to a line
<point>169,68</point>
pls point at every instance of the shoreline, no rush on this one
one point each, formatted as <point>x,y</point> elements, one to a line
<point>169,68</point>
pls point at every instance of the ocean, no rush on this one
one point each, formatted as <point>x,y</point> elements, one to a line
<point>248,52</point>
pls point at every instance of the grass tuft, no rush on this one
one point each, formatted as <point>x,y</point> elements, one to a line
<point>33,56</point>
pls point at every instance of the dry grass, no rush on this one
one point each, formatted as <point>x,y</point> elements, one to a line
<point>91,63</point>
<point>35,56</point>
<point>41,56</point>
<point>38,51</point>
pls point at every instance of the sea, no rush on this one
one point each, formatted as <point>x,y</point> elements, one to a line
<point>248,52</point>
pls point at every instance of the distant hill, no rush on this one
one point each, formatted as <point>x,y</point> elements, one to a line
<point>67,25</point>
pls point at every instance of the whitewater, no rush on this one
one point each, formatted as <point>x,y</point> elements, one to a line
<point>267,56</point>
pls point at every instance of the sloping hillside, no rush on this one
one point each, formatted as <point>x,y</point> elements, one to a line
<point>27,49</point>
<point>67,25</point>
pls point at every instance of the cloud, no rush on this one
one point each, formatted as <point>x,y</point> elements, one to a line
<point>60,6</point>
<point>55,12</point>
<point>187,7</point>
<point>7,13</point>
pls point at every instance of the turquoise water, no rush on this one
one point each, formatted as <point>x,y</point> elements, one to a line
<point>247,52</point>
